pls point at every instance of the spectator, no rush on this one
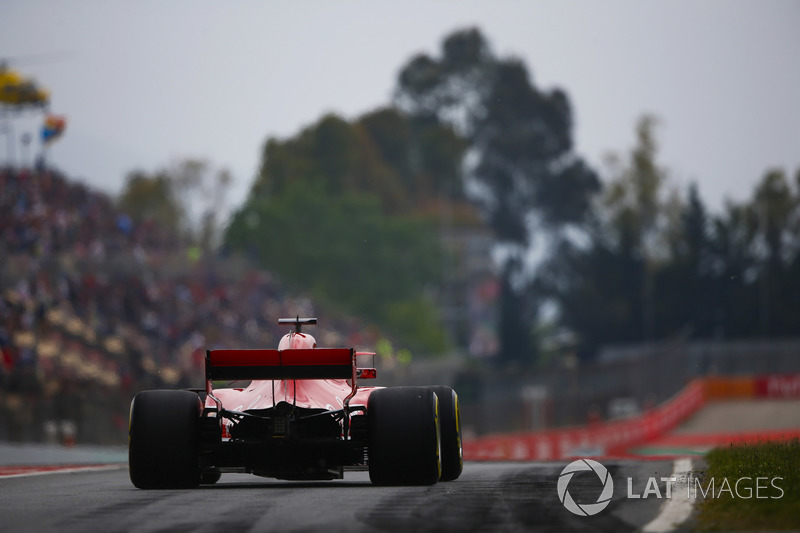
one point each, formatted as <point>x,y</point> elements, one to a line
<point>91,300</point>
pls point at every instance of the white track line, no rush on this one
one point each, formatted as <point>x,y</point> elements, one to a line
<point>65,471</point>
<point>678,507</point>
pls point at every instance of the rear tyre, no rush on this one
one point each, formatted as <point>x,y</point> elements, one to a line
<point>403,446</point>
<point>162,449</point>
<point>450,424</point>
<point>209,478</point>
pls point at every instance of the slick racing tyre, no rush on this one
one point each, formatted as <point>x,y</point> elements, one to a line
<point>403,447</point>
<point>209,478</point>
<point>450,424</point>
<point>162,449</point>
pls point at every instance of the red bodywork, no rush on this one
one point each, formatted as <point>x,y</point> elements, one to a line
<point>303,404</point>
<point>328,394</point>
<point>300,350</point>
<point>301,417</point>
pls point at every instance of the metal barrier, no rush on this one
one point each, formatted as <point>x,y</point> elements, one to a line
<point>635,378</point>
<point>616,437</point>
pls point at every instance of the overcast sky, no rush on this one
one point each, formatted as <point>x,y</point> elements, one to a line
<point>145,83</point>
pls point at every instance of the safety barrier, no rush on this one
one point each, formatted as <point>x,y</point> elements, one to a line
<point>616,437</point>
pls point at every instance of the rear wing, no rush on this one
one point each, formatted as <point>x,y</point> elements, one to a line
<point>310,363</point>
<point>313,363</point>
<point>306,363</point>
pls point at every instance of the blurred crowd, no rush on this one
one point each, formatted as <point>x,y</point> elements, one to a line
<point>95,306</point>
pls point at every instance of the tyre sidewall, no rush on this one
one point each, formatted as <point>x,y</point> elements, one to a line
<point>404,436</point>
<point>162,450</point>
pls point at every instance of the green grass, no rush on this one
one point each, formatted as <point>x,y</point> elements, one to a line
<point>767,460</point>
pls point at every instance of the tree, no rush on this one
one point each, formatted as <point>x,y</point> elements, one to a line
<point>151,196</point>
<point>758,257</point>
<point>337,155</point>
<point>735,269</point>
<point>188,197</point>
<point>403,161</point>
<point>608,289</point>
<point>686,285</point>
<point>643,212</point>
<point>640,206</point>
<point>597,290</point>
<point>658,266</point>
<point>360,198</point>
<point>348,254</point>
<point>529,182</point>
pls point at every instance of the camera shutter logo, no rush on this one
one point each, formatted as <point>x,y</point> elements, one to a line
<point>587,509</point>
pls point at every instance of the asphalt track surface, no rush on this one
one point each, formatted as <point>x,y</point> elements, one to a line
<point>487,497</point>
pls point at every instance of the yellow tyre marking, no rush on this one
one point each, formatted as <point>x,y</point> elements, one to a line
<point>438,430</point>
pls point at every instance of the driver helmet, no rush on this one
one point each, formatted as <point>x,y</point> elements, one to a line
<point>297,340</point>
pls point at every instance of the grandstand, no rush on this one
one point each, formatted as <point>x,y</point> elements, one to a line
<point>95,306</point>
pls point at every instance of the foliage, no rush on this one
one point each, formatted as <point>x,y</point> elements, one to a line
<point>521,152</point>
<point>756,261</point>
<point>340,208</point>
<point>640,209</point>
<point>346,252</point>
<point>768,465</point>
<point>406,163</point>
<point>187,197</point>
<point>151,196</point>
<point>658,265</point>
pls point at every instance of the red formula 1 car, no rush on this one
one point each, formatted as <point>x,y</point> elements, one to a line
<point>303,417</point>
